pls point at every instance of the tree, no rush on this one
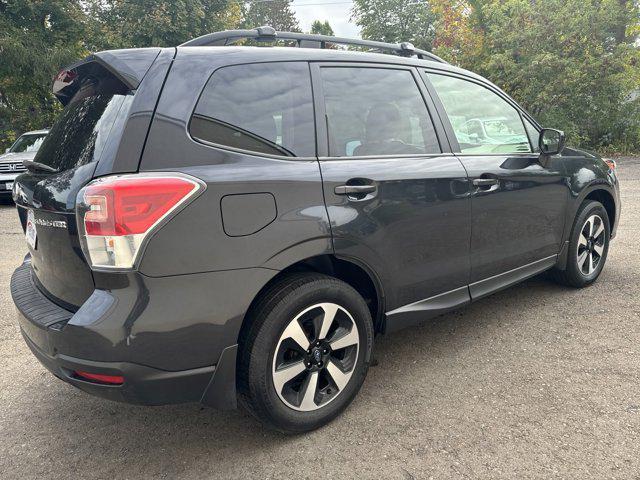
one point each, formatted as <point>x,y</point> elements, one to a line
<point>36,39</point>
<point>566,62</point>
<point>321,28</point>
<point>574,64</point>
<point>163,23</point>
<point>395,21</point>
<point>457,36</point>
<point>275,13</point>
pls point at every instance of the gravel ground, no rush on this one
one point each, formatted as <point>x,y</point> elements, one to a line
<point>538,381</point>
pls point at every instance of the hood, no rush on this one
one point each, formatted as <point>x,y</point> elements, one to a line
<point>17,157</point>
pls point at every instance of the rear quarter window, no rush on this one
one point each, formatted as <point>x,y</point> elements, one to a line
<point>264,108</point>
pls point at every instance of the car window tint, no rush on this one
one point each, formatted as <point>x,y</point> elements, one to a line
<point>80,133</point>
<point>482,121</point>
<point>375,111</point>
<point>264,108</point>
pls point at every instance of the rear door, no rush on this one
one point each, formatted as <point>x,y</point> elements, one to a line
<point>518,202</point>
<point>397,198</point>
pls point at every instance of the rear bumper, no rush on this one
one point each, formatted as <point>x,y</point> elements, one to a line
<point>164,358</point>
<point>142,385</point>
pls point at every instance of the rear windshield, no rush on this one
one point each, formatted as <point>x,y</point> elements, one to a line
<point>28,143</point>
<point>80,133</point>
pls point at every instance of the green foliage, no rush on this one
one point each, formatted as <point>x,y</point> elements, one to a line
<point>162,23</point>
<point>395,21</point>
<point>275,13</point>
<point>571,64</point>
<point>574,64</point>
<point>321,28</point>
<point>36,38</point>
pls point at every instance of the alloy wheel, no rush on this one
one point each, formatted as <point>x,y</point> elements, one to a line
<point>315,357</point>
<point>591,244</point>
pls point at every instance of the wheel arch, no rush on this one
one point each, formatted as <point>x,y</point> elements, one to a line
<point>597,191</point>
<point>355,273</point>
<point>606,199</point>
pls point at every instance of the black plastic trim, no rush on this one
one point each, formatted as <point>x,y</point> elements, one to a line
<point>31,302</point>
<point>142,385</point>
<point>422,310</point>
<point>503,280</point>
<point>561,263</point>
<point>221,391</point>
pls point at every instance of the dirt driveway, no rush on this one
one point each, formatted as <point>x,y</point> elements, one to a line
<point>538,381</point>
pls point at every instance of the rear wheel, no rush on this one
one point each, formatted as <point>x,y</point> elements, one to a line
<point>588,246</point>
<point>305,352</point>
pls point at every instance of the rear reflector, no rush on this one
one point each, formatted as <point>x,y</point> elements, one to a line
<point>610,162</point>
<point>117,214</point>
<point>97,377</point>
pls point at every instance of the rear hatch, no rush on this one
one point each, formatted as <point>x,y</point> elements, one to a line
<point>97,103</point>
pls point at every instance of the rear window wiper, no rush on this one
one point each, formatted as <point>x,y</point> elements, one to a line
<point>35,166</point>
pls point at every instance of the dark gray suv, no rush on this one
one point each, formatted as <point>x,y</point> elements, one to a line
<point>227,224</point>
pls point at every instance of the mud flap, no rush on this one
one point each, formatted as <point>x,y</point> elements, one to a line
<point>561,263</point>
<point>221,391</point>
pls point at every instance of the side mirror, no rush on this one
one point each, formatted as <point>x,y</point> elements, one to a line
<point>551,141</point>
<point>7,150</point>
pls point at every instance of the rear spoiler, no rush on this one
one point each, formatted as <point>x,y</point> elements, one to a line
<point>128,65</point>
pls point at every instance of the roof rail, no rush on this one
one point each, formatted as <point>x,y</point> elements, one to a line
<point>305,40</point>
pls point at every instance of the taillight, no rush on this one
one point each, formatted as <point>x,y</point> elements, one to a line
<point>117,214</point>
<point>611,163</point>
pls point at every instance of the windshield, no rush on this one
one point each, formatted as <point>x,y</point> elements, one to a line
<point>79,135</point>
<point>28,143</point>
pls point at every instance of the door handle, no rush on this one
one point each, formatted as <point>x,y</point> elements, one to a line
<point>485,182</point>
<point>354,189</point>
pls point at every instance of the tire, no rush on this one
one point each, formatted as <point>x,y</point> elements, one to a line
<point>294,389</point>
<point>582,271</point>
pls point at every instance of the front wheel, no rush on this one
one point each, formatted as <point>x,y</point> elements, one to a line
<point>305,352</point>
<point>588,246</point>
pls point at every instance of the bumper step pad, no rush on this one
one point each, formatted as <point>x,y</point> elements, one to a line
<point>32,303</point>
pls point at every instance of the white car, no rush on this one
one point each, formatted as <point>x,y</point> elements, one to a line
<point>24,148</point>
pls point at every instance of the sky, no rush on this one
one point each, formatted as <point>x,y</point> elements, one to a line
<point>337,12</point>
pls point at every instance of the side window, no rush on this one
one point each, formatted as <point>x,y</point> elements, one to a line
<point>482,121</point>
<point>375,111</point>
<point>262,107</point>
<point>534,135</point>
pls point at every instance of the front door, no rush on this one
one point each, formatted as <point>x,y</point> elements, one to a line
<point>397,198</point>
<point>518,202</point>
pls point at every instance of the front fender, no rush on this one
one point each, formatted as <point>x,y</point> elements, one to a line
<point>588,176</point>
